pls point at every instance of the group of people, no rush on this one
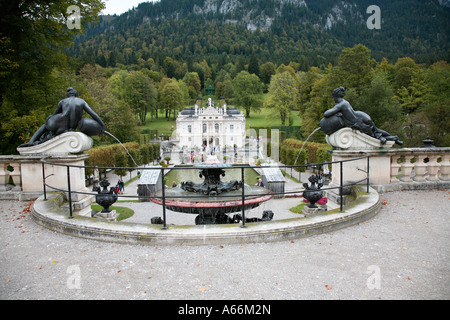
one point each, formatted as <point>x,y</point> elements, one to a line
<point>120,187</point>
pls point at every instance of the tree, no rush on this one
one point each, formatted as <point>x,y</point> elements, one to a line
<point>33,35</point>
<point>438,102</point>
<point>140,94</point>
<point>117,83</point>
<point>121,161</point>
<point>253,65</point>
<point>283,95</point>
<point>379,102</point>
<point>402,73</point>
<point>355,68</point>
<point>414,95</point>
<point>307,81</point>
<point>266,71</point>
<point>192,80</point>
<point>171,98</point>
<point>114,111</point>
<point>247,91</point>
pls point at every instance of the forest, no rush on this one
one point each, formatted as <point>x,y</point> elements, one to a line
<point>133,73</point>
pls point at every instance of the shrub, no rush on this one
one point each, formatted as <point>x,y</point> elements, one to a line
<point>313,152</point>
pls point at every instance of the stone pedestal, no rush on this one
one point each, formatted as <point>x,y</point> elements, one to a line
<point>351,139</point>
<point>107,216</point>
<point>58,154</point>
<point>67,143</point>
<point>356,171</point>
<point>309,212</point>
<point>353,144</point>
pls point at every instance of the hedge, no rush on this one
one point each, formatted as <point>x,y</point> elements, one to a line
<point>115,155</point>
<point>312,152</point>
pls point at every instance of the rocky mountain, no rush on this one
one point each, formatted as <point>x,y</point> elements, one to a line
<point>276,30</point>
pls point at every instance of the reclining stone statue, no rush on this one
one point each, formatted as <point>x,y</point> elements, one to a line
<point>343,115</point>
<point>68,117</point>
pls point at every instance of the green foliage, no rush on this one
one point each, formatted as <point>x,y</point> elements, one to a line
<point>171,98</point>
<point>115,156</point>
<point>283,95</point>
<point>354,69</point>
<point>315,152</point>
<point>192,80</point>
<point>437,103</point>
<point>247,91</point>
<point>124,212</point>
<point>120,161</point>
<point>140,94</point>
<point>32,36</point>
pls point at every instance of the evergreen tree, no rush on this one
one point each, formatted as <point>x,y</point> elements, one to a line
<point>253,66</point>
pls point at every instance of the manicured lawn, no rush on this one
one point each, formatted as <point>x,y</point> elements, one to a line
<point>124,213</point>
<point>161,124</point>
<point>269,118</point>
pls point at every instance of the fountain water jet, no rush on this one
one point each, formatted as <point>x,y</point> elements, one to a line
<point>304,144</point>
<point>122,146</point>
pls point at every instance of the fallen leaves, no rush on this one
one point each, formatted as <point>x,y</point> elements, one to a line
<point>328,287</point>
<point>18,216</point>
<point>202,289</point>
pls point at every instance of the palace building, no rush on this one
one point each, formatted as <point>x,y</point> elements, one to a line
<point>210,126</point>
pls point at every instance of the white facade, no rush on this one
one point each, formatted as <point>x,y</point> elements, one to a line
<point>210,126</point>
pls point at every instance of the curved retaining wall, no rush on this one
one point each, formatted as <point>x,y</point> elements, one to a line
<point>48,214</point>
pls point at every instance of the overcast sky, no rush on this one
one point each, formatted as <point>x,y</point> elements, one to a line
<point>121,6</point>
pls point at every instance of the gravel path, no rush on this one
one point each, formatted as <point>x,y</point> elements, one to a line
<point>402,253</point>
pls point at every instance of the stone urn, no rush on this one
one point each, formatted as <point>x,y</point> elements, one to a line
<point>312,192</point>
<point>105,197</point>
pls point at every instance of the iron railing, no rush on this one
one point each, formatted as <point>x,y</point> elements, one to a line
<point>163,196</point>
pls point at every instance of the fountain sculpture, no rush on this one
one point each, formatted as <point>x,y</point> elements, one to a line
<point>212,200</point>
<point>212,185</point>
<point>343,118</point>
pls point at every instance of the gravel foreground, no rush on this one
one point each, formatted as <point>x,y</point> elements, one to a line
<point>402,253</point>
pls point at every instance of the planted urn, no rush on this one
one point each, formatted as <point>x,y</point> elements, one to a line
<point>312,192</point>
<point>105,197</point>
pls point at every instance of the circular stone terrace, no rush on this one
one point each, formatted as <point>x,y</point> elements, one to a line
<point>53,214</point>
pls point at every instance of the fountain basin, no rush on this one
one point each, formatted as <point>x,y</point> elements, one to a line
<point>212,200</point>
<point>179,200</point>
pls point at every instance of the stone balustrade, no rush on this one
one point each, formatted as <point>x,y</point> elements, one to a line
<point>10,174</point>
<point>420,165</point>
<point>395,168</point>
